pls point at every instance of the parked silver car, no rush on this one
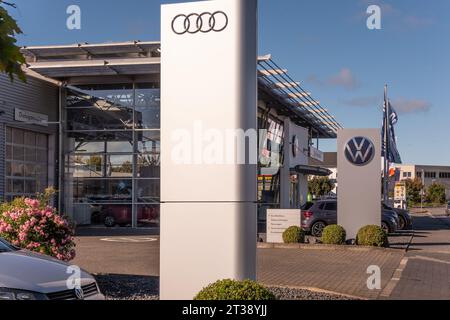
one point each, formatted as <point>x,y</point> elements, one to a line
<point>25,275</point>
<point>316,216</point>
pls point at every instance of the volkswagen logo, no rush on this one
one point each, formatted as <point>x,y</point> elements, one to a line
<point>79,293</point>
<point>204,22</point>
<point>360,151</point>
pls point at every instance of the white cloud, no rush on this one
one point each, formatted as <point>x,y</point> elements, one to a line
<point>411,106</point>
<point>344,78</point>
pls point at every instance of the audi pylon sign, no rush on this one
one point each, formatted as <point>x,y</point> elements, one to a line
<point>208,89</point>
<point>359,179</point>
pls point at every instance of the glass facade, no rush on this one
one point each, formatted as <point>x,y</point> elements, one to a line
<point>112,154</point>
<point>270,161</point>
<point>26,163</point>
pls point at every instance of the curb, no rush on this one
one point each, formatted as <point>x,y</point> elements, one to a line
<point>322,247</point>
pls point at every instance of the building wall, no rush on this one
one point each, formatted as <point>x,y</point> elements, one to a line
<point>290,161</point>
<point>432,174</point>
<point>37,96</point>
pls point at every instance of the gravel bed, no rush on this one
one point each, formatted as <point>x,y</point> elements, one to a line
<point>303,294</point>
<point>123,287</point>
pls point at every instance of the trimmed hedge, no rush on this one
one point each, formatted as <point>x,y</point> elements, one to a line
<point>235,290</point>
<point>334,234</point>
<point>373,236</point>
<point>294,234</point>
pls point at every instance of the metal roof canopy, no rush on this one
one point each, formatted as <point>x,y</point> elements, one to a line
<point>36,53</point>
<point>289,94</point>
<point>311,170</point>
<point>84,68</point>
<point>143,58</point>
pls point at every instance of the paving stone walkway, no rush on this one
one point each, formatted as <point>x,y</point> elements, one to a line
<point>335,270</point>
<point>426,274</point>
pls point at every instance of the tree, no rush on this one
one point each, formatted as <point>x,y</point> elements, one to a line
<point>436,193</point>
<point>11,59</point>
<point>320,186</point>
<point>413,190</point>
<point>95,162</point>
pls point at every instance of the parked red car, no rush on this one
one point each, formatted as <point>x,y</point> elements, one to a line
<point>122,214</point>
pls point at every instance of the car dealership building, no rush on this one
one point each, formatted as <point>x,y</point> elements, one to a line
<point>88,123</point>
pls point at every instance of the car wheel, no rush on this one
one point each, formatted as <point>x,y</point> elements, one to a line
<point>385,227</point>
<point>401,223</point>
<point>317,228</point>
<point>110,221</point>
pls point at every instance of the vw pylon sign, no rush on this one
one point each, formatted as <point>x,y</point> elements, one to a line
<point>360,151</point>
<point>359,178</point>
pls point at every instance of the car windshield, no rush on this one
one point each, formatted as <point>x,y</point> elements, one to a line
<point>5,246</point>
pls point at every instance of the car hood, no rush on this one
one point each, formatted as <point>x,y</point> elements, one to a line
<point>29,271</point>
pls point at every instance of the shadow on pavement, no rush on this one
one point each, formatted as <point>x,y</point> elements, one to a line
<point>429,224</point>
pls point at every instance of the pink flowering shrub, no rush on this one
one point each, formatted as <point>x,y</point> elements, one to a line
<point>33,225</point>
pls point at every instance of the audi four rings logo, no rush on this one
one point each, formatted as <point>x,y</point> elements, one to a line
<point>204,22</point>
<point>360,151</point>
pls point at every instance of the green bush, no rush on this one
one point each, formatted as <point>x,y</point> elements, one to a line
<point>373,236</point>
<point>294,234</point>
<point>334,234</point>
<point>235,290</point>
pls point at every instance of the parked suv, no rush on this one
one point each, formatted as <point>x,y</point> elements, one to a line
<point>316,216</point>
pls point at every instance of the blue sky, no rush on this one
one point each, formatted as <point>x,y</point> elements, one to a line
<point>325,44</point>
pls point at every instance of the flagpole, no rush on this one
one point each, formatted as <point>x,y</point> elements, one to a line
<point>386,146</point>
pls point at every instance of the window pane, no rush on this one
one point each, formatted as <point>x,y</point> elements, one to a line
<point>121,214</point>
<point>30,138</point>
<point>18,186</point>
<point>111,118</point>
<point>148,215</point>
<point>8,185</point>
<point>8,169</point>
<point>30,186</point>
<point>18,153</point>
<point>88,166</point>
<point>16,169</point>
<point>120,166</point>
<point>148,107</point>
<point>102,190</point>
<point>30,154</point>
<point>104,107</point>
<point>125,146</point>
<point>41,184</point>
<point>41,140</point>
<point>41,156</point>
<point>30,170</point>
<point>148,190</point>
<point>149,166</point>
<point>41,170</point>
<point>8,135</point>
<point>17,136</point>
<point>149,142</point>
<point>9,152</point>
